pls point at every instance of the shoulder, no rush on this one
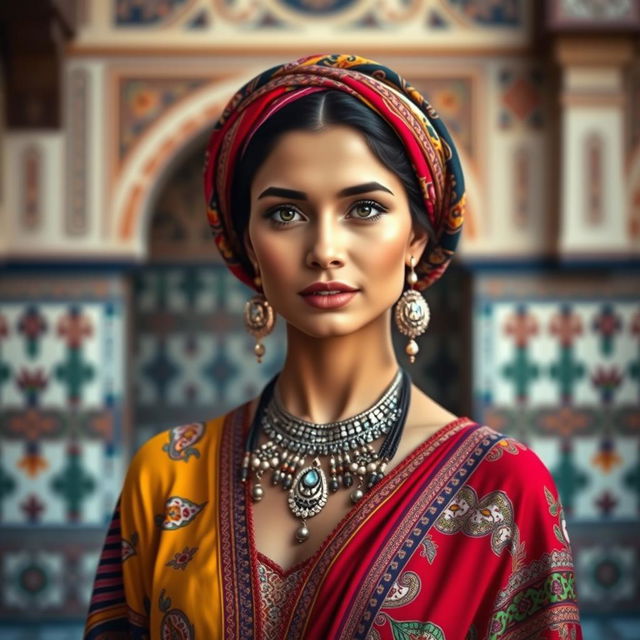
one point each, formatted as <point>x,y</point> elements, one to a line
<point>511,466</point>
<point>177,456</point>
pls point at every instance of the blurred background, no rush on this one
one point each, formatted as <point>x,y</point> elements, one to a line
<point>117,319</point>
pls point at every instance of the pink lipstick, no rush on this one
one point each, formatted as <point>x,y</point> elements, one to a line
<point>328,295</point>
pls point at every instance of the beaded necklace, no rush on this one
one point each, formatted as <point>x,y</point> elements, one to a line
<point>293,451</point>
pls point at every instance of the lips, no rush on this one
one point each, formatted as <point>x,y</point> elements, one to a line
<point>327,288</point>
<point>328,295</point>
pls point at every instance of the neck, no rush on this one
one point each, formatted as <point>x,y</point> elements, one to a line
<point>329,379</point>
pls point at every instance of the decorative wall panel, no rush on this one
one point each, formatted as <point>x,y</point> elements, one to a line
<point>78,181</point>
<point>62,385</point>
<point>231,23</point>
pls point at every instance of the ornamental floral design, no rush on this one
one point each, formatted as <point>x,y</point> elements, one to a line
<point>509,445</point>
<point>181,559</point>
<point>129,546</point>
<point>179,512</point>
<point>403,590</point>
<point>175,624</point>
<point>182,439</point>
<point>491,515</point>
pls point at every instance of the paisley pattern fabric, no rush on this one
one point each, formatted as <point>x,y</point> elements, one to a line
<point>425,138</point>
<point>457,541</point>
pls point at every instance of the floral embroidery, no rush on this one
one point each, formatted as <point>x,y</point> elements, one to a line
<point>510,445</point>
<point>129,546</point>
<point>175,625</point>
<point>555,509</point>
<point>429,549</point>
<point>182,559</point>
<point>403,590</point>
<point>491,515</point>
<point>182,439</point>
<point>537,604</point>
<point>416,630</point>
<point>179,512</point>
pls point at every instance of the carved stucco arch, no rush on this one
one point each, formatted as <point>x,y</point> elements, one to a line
<point>154,158</point>
<point>167,142</point>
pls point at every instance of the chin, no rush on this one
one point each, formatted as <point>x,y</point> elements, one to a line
<point>325,327</point>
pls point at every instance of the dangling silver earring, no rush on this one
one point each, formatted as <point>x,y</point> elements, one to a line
<point>259,319</point>
<point>412,313</point>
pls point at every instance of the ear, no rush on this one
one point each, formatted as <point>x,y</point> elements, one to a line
<point>417,243</point>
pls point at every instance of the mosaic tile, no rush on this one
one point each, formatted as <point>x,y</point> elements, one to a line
<point>62,382</point>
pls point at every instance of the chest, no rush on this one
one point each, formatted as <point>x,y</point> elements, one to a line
<point>275,526</point>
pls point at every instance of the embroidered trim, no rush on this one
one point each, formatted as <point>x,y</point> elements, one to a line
<point>240,614</point>
<point>415,524</point>
<point>354,519</point>
<point>550,618</point>
<point>556,560</point>
<point>276,591</point>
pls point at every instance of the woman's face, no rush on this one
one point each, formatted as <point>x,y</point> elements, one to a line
<point>324,209</point>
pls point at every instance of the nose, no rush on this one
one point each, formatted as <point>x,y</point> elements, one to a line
<point>325,248</point>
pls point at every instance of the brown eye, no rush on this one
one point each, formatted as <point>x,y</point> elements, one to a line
<point>363,210</point>
<point>283,215</point>
<point>367,210</point>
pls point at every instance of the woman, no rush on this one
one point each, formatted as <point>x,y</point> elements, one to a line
<point>343,502</point>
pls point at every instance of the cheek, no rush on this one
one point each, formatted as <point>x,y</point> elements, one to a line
<point>385,259</point>
<point>276,263</point>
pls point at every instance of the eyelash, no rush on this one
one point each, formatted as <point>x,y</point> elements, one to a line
<point>371,203</point>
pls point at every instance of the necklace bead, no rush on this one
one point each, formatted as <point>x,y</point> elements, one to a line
<point>345,444</point>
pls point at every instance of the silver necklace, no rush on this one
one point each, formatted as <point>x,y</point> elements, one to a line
<point>292,454</point>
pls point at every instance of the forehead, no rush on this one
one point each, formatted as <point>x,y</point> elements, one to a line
<point>336,156</point>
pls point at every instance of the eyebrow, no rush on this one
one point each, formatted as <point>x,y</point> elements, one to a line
<point>348,191</point>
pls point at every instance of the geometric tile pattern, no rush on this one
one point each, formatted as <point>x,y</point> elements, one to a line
<point>192,358</point>
<point>557,364</point>
<point>453,99</point>
<point>62,382</point>
<point>521,94</point>
<point>49,577</point>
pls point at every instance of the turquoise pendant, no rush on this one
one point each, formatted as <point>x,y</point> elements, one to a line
<point>308,493</point>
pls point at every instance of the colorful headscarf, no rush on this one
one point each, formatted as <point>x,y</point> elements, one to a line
<point>425,138</point>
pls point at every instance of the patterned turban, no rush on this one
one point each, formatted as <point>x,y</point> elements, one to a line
<point>425,138</point>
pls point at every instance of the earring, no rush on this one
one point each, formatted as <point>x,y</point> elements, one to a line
<point>412,313</point>
<point>259,319</point>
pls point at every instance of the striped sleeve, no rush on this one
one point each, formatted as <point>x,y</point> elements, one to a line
<point>110,610</point>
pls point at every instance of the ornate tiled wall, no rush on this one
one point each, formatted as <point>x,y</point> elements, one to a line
<point>62,435</point>
<point>557,364</point>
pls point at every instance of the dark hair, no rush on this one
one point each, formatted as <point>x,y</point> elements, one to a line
<point>313,113</point>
